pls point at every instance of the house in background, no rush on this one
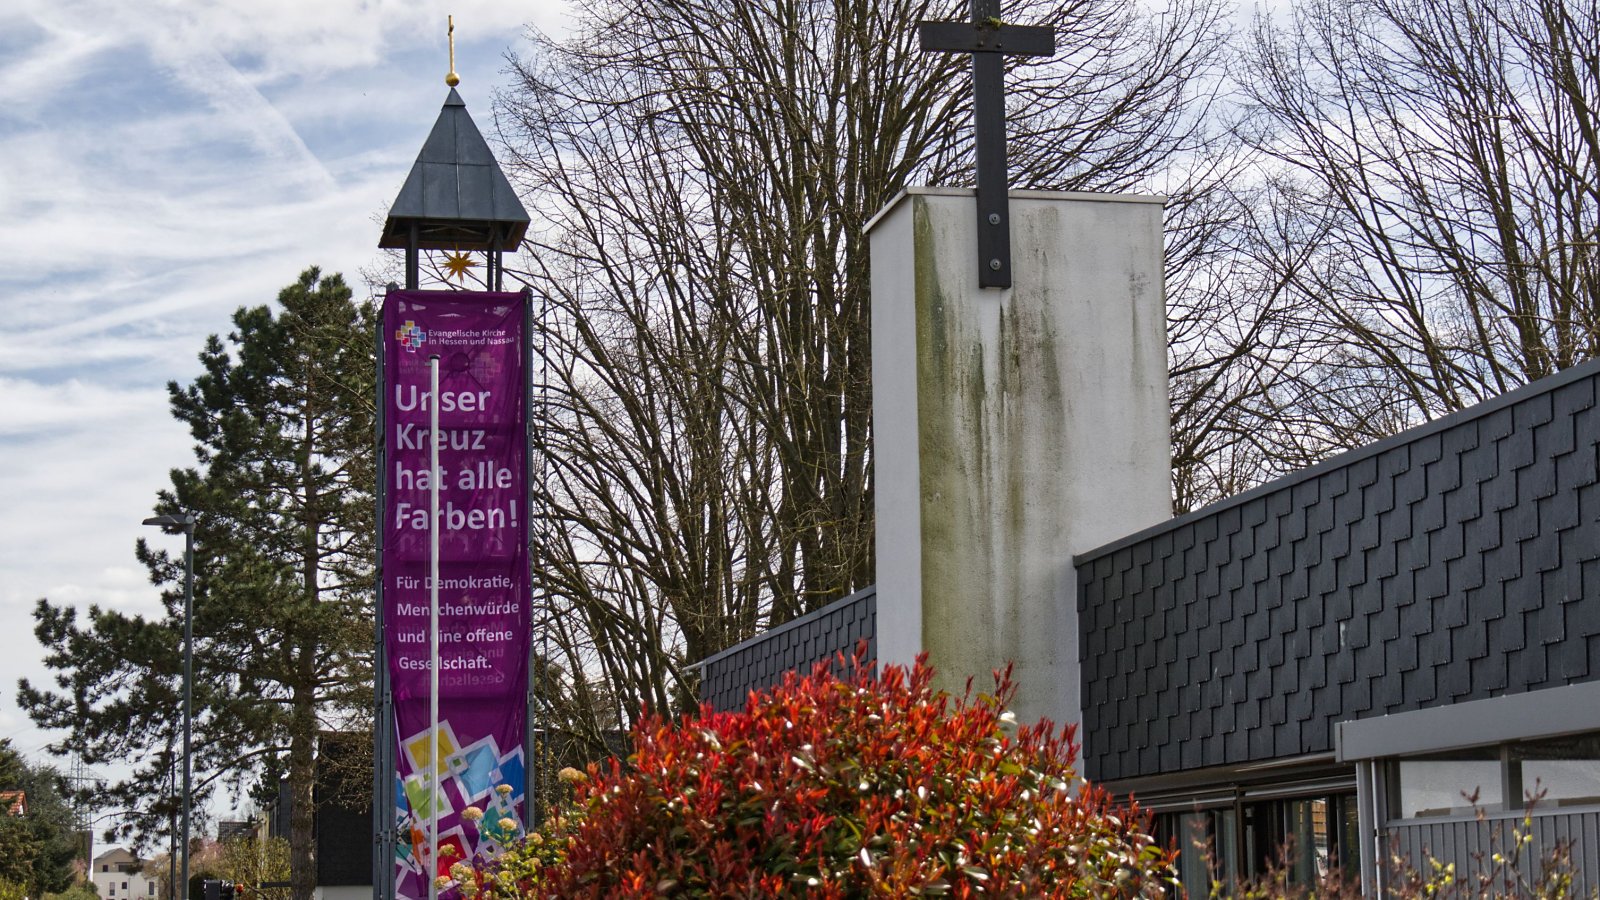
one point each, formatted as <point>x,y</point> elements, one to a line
<point>119,875</point>
<point>1334,662</point>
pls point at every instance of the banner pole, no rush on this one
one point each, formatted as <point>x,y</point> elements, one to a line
<point>433,628</point>
<point>534,763</point>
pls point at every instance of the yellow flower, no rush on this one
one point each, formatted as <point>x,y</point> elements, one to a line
<point>448,850</point>
<point>504,789</point>
<point>443,881</point>
<point>472,814</point>
<point>508,824</point>
<point>571,775</point>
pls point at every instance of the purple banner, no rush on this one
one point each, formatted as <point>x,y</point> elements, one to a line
<point>484,616</point>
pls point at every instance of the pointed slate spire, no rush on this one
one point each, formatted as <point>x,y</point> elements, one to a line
<point>456,195</point>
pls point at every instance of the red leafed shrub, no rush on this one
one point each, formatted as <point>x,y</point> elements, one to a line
<point>866,786</point>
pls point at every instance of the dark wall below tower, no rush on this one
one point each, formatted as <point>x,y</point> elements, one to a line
<point>342,796</point>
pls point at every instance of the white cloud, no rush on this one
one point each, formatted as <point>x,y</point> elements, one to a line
<point>167,161</point>
<point>82,462</point>
<point>37,410</point>
<point>279,41</point>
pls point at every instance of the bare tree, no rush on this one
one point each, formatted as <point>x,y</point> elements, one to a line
<point>1434,214</point>
<point>705,171</point>
<point>1224,325</point>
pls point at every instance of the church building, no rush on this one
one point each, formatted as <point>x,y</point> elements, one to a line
<point>1337,662</point>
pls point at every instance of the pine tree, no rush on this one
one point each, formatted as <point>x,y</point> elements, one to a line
<point>282,494</point>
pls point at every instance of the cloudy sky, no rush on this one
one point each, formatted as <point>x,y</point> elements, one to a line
<point>163,162</point>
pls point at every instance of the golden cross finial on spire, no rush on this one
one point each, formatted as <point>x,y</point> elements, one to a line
<point>452,78</point>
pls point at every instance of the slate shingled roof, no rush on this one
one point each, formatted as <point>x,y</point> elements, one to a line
<point>1456,561</point>
<point>456,193</point>
<point>797,645</point>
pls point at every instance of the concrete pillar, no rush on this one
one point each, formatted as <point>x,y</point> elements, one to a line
<point>1012,428</point>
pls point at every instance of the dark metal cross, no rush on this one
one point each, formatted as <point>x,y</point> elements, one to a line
<point>989,41</point>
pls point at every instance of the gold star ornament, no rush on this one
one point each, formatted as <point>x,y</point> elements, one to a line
<point>457,264</point>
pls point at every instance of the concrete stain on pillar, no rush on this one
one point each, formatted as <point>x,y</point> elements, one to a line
<point>952,390</point>
<point>1035,441</point>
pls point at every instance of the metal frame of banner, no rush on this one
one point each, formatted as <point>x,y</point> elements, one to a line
<point>383,744</point>
<point>532,762</point>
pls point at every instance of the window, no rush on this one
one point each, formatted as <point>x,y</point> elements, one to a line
<point>1307,837</point>
<point>1544,773</point>
<point>1559,772</point>
<point>1204,838</point>
<point>1443,784</point>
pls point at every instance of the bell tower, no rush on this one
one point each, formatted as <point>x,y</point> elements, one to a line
<point>455,200</point>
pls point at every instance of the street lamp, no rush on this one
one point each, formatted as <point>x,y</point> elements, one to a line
<point>185,523</point>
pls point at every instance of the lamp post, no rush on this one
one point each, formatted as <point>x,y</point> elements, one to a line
<point>185,523</point>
